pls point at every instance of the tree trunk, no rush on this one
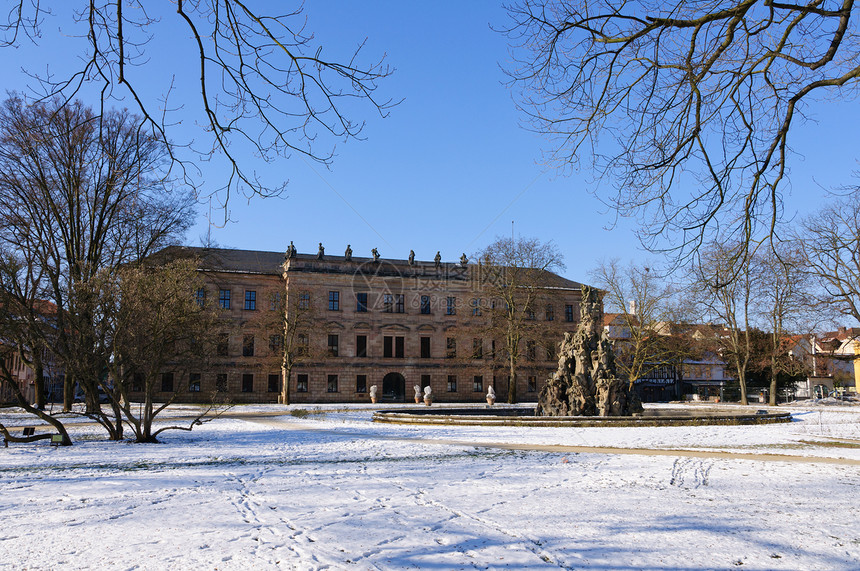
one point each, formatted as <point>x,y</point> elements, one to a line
<point>145,434</point>
<point>512,382</point>
<point>40,384</point>
<point>117,432</point>
<point>771,399</point>
<point>68,392</point>
<point>285,389</point>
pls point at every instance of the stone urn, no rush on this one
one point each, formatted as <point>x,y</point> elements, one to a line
<point>417,394</point>
<point>373,397</point>
<point>428,395</point>
<point>491,396</point>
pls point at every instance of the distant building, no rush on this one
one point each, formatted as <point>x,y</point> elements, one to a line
<point>22,374</point>
<point>366,321</point>
<point>833,359</point>
<point>699,375</point>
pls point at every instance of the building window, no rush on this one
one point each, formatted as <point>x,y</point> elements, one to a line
<point>393,347</point>
<point>275,301</point>
<point>274,383</point>
<point>478,384</point>
<point>452,383</point>
<point>221,382</point>
<point>532,386</point>
<point>201,297</point>
<point>332,345</point>
<point>530,313</point>
<point>302,345</point>
<point>332,384</point>
<point>224,298</point>
<point>302,384</point>
<point>387,302</point>
<point>361,302</point>
<point>399,305</point>
<point>492,349</point>
<point>550,312</point>
<point>477,348</point>
<point>304,300</point>
<point>425,381</point>
<point>361,345</point>
<point>275,342</point>
<point>247,382</point>
<point>361,383</point>
<point>137,383</point>
<point>223,346</point>
<point>248,346</point>
<point>550,351</point>
<point>250,300</point>
<point>568,313</point>
<point>450,347</point>
<point>425,347</point>
<point>194,383</point>
<point>425,305</point>
<point>531,350</point>
<point>334,301</point>
<point>167,382</point>
<point>451,308</point>
<point>476,306</point>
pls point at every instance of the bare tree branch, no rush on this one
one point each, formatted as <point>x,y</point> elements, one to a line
<point>686,107</point>
<point>265,86</point>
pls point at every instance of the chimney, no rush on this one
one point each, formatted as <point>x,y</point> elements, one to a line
<point>631,307</point>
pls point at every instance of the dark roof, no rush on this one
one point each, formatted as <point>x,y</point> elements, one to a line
<point>225,260</point>
<point>258,262</point>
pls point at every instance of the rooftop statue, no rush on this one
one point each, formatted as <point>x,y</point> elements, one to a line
<point>411,257</point>
<point>375,253</point>
<point>321,253</point>
<point>348,254</point>
<point>438,260</point>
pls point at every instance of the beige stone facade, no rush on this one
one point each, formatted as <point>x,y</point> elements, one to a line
<point>364,322</point>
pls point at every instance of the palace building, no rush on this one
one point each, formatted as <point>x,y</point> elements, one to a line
<point>354,323</point>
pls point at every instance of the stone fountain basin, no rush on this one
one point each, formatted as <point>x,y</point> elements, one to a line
<point>525,416</point>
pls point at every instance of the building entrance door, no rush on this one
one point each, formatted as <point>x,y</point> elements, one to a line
<point>394,387</point>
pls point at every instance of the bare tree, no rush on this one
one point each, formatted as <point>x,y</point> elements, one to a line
<point>158,325</point>
<point>645,305</point>
<point>293,329</point>
<point>264,83</point>
<point>515,273</point>
<point>831,242</point>
<point>783,305</point>
<point>26,322</point>
<point>80,195</point>
<point>688,107</point>
<point>726,289</point>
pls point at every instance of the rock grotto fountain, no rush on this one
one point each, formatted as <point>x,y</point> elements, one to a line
<point>586,382</point>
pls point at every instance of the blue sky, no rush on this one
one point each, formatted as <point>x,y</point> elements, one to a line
<point>451,167</point>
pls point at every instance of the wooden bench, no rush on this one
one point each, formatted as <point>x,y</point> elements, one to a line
<point>28,434</point>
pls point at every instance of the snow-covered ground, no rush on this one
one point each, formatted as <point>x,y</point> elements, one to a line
<point>333,490</point>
